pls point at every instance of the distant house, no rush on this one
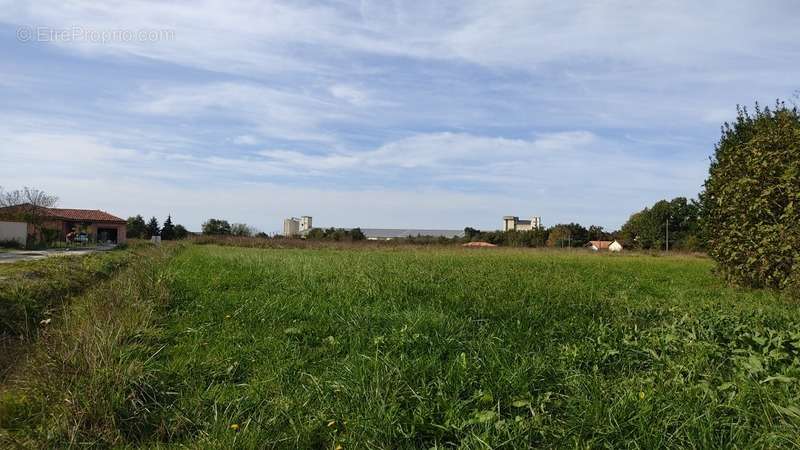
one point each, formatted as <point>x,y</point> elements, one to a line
<point>612,246</point>
<point>598,245</point>
<point>93,224</point>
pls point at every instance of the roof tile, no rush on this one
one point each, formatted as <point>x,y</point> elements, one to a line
<point>91,215</point>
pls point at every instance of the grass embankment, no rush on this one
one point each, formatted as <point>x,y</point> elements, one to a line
<point>89,380</point>
<point>31,291</point>
<point>430,348</point>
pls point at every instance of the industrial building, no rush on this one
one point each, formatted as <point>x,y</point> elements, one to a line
<point>297,227</point>
<point>513,223</point>
<point>386,234</point>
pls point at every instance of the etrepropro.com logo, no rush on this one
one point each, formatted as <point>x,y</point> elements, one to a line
<point>92,35</point>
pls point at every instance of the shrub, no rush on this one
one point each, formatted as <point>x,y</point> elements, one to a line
<point>217,227</point>
<point>751,202</point>
<point>181,232</point>
<point>136,227</point>
<point>792,284</point>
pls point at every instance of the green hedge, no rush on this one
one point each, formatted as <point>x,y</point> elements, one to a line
<point>751,202</point>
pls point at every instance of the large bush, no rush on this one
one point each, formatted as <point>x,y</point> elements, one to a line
<point>751,201</point>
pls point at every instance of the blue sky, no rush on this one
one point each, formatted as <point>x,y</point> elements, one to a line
<point>380,113</point>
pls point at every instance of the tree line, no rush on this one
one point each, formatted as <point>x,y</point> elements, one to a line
<point>565,235</point>
<point>137,228</point>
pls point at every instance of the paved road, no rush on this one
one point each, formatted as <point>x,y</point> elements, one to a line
<point>27,255</point>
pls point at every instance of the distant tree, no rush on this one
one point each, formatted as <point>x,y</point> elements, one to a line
<point>217,227</point>
<point>335,234</point>
<point>632,230</point>
<point>152,227</point>
<point>597,233</point>
<point>357,235</point>
<point>567,235</point>
<point>470,233</point>
<point>168,229</point>
<point>180,232</point>
<point>647,229</point>
<point>528,238</point>
<point>28,205</point>
<point>262,235</point>
<point>241,229</point>
<point>136,227</point>
<point>315,233</point>
<point>750,206</point>
<point>558,236</point>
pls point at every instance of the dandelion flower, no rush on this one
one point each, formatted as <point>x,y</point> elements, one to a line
<point>235,426</point>
<point>641,395</point>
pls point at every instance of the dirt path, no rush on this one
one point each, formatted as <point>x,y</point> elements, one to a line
<point>28,255</point>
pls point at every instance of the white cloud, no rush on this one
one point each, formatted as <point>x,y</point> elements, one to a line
<point>245,139</point>
<point>243,36</point>
<point>272,112</point>
<point>610,63</point>
<point>349,94</point>
<point>557,175</point>
<point>439,150</point>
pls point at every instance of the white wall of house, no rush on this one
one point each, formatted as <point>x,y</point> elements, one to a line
<point>14,231</point>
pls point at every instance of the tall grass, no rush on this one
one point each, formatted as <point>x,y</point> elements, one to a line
<point>32,292</point>
<point>28,289</point>
<point>419,349</point>
<point>416,348</point>
<point>90,380</point>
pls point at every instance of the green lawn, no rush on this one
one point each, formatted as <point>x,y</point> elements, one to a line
<point>402,348</point>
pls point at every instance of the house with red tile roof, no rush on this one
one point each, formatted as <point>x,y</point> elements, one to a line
<point>98,226</point>
<point>598,245</point>
<point>613,246</point>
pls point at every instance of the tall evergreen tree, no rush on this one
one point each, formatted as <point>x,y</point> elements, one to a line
<point>168,230</point>
<point>152,227</point>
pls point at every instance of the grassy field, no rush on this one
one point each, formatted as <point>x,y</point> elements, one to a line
<point>417,348</point>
